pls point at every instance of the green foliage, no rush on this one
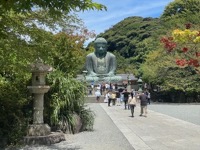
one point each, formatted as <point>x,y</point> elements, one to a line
<point>67,53</point>
<point>136,40</point>
<point>87,116</point>
<point>180,12</point>
<point>133,38</point>
<point>151,67</point>
<point>181,8</point>
<point>125,65</point>
<point>13,117</point>
<point>55,7</point>
<point>160,69</point>
<point>27,31</point>
<point>125,36</point>
<point>181,79</point>
<point>176,15</point>
<point>67,99</point>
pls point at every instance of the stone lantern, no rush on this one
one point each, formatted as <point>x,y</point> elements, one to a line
<point>128,83</point>
<point>38,132</point>
<point>140,84</point>
<point>38,88</point>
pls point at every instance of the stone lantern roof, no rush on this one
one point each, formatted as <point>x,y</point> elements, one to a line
<point>39,66</point>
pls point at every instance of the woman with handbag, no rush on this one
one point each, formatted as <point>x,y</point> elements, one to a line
<point>132,104</point>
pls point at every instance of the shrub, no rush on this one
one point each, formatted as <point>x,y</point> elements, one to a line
<point>67,99</point>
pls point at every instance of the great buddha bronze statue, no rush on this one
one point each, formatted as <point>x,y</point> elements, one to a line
<point>101,65</point>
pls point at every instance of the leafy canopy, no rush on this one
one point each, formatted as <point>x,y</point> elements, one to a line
<point>53,6</point>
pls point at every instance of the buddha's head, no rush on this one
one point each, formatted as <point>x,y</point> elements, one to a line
<point>100,45</point>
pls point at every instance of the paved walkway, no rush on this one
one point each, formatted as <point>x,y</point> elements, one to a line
<point>188,112</point>
<point>156,132</point>
<point>118,131</point>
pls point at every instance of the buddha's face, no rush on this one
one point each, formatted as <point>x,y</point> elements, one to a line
<point>101,48</point>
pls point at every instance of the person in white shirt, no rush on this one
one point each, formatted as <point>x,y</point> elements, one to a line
<point>106,97</point>
<point>98,95</point>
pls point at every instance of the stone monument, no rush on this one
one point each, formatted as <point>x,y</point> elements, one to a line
<point>100,64</point>
<point>39,132</point>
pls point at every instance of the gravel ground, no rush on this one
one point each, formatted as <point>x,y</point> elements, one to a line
<point>186,112</point>
<point>106,136</point>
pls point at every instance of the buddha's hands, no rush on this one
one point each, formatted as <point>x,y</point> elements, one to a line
<point>92,74</point>
<point>111,73</point>
<point>106,75</point>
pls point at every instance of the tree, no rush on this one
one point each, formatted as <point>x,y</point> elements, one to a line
<point>159,67</point>
<point>27,31</point>
<point>184,44</point>
<point>123,65</point>
<point>180,12</point>
<point>68,54</point>
<point>181,8</point>
<point>54,6</point>
<point>160,71</point>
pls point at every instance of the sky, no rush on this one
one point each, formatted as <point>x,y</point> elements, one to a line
<point>118,10</point>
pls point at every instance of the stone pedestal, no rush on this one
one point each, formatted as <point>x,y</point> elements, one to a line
<point>38,130</point>
<point>41,134</point>
<point>54,137</point>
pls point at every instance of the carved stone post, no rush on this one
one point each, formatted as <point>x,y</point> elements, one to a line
<point>38,132</point>
<point>38,88</point>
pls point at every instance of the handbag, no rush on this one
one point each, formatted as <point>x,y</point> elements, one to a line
<point>132,101</point>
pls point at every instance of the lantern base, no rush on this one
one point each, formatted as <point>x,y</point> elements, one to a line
<point>38,130</point>
<point>54,137</point>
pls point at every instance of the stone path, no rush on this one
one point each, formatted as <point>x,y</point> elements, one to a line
<point>157,131</point>
<point>187,112</point>
<point>118,131</point>
<point>106,136</point>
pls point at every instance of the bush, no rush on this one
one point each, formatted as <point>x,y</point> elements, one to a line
<point>67,99</point>
<point>12,117</point>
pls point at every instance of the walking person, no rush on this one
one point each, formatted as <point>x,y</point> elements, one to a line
<point>109,97</point>
<point>107,87</point>
<point>143,104</point>
<point>98,95</point>
<point>118,98</point>
<point>132,104</point>
<point>121,97</point>
<point>126,96</point>
<point>133,92</point>
<point>149,97</point>
<point>106,97</point>
<point>113,98</point>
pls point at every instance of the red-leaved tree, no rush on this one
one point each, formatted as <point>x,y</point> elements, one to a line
<point>185,45</point>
